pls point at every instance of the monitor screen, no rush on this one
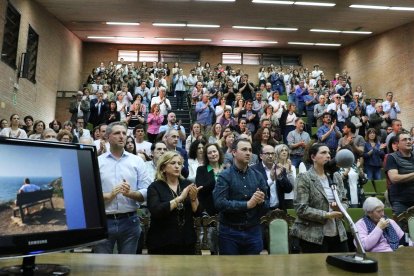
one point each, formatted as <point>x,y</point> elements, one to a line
<point>50,197</point>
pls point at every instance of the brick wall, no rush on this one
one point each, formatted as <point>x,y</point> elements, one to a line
<point>385,63</point>
<point>58,64</point>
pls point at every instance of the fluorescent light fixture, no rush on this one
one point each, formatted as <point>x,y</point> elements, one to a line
<point>202,26</point>
<point>317,4</point>
<point>281,29</point>
<point>198,39</point>
<point>273,2</point>
<point>249,41</point>
<point>129,37</point>
<point>100,37</point>
<point>301,43</point>
<point>369,7</point>
<point>402,8</point>
<point>248,27</point>
<point>169,24</point>
<point>123,23</point>
<point>216,0</point>
<point>356,32</point>
<point>169,38</point>
<point>324,31</point>
<point>328,44</point>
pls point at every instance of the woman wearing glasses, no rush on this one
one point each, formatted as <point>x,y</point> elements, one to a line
<point>173,202</point>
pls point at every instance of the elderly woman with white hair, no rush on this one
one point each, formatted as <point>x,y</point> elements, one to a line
<point>377,232</point>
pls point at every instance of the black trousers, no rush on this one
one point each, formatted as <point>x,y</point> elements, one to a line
<point>329,245</point>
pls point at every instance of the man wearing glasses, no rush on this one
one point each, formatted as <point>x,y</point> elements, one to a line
<point>400,170</point>
<point>275,176</point>
<point>341,110</point>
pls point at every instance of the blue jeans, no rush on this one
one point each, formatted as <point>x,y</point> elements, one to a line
<point>124,232</point>
<point>292,98</point>
<point>373,173</point>
<point>180,98</point>
<point>240,242</point>
<point>296,159</point>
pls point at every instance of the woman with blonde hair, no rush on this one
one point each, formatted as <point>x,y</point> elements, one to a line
<point>282,160</point>
<point>173,202</point>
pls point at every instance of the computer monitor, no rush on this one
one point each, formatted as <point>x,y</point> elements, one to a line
<point>50,199</point>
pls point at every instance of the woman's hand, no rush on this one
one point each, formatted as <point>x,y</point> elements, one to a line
<point>193,191</point>
<point>383,223</point>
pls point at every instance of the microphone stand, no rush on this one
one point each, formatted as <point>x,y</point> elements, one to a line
<point>357,262</point>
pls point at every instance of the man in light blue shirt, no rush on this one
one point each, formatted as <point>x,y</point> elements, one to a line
<point>124,184</point>
<point>390,106</point>
<point>204,111</point>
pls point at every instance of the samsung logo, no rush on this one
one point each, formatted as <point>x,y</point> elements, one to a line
<point>37,242</point>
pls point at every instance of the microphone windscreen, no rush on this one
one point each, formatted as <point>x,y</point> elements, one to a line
<point>344,158</point>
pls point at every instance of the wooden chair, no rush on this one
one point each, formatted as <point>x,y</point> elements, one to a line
<point>406,220</point>
<point>278,223</point>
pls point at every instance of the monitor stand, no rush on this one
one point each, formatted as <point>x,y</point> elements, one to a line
<point>29,267</point>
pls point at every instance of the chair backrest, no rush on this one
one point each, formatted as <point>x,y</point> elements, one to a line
<point>411,227</point>
<point>278,237</point>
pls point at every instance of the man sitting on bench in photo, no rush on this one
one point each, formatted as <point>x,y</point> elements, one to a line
<point>27,187</point>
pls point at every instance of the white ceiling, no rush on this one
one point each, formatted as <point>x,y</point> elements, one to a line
<point>87,18</point>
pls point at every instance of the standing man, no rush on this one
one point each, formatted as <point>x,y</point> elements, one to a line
<point>98,109</point>
<point>329,133</point>
<point>157,149</point>
<point>351,141</point>
<point>172,124</point>
<point>204,110</point>
<point>124,184</point>
<point>341,110</point>
<point>297,141</point>
<point>319,109</point>
<point>276,178</point>
<point>240,196</point>
<point>390,106</point>
<point>251,116</point>
<point>170,139</point>
<point>246,88</point>
<point>141,144</point>
<point>163,102</point>
<point>400,170</point>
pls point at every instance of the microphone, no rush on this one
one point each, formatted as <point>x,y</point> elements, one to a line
<point>343,159</point>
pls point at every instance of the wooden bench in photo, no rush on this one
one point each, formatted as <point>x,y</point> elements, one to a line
<point>26,200</point>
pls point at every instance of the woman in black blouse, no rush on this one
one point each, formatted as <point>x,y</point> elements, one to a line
<point>206,177</point>
<point>172,202</point>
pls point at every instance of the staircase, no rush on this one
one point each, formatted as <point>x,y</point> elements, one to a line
<point>183,115</point>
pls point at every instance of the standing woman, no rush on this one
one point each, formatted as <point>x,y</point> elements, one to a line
<point>206,177</point>
<point>130,145</point>
<point>195,134</point>
<point>55,125</point>
<point>215,133</point>
<point>318,224</point>
<point>155,119</point>
<point>14,131</point>
<point>173,202</point>
<point>112,115</point>
<point>287,121</point>
<point>374,153</point>
<point>261,139</point>
<point>282,160</point>
<point>195,158</point>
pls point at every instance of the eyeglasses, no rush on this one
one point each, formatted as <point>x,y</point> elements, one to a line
<point>268,154</point>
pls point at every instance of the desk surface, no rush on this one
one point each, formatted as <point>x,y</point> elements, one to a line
<point>398,263</point>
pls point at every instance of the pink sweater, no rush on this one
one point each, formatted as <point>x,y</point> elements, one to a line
<point>154,123</point>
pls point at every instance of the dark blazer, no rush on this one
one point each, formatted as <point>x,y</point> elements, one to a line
<point>94,118</point>
<point>205,195</point>
<point>283,185</point>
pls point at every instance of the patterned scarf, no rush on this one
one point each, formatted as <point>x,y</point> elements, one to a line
<point>389,233</point>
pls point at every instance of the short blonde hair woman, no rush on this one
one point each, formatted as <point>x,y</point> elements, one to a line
<point>172,201</point>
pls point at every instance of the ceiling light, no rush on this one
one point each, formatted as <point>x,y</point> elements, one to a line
<point>369,7</point>
<point>324,31</point>
<point>100,37</point>
<point>216,0</point>
<point>317,4</point>
<point>248,27</point>
<point>169,38</point>
<point>123,23</point>
<point>198,39</point>
<point>249,41</point>
<point>169,24</point>
<point>273,2</point>
<point>202,26</point>
<point>281,29</point>
<point>328,44</point>
<point>356,32</point>
<point>128,37</point>
<point>402,8</point>
<point>301,43</point>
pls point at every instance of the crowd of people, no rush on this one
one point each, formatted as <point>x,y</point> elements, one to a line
<point>241,156</point>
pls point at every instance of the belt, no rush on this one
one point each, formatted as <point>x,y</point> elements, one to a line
<point>121,215</point>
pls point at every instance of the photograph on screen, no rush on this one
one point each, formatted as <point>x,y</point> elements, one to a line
<point>32,197</point>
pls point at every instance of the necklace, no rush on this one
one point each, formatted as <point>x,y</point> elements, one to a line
<point>180,206</point>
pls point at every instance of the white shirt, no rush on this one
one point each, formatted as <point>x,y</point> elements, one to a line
<point>164,106</point>
<point>342,115</point>
<point>386,107</point>
<point>144,146</point>
<point>277,107</point>
<point>273,199</point>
